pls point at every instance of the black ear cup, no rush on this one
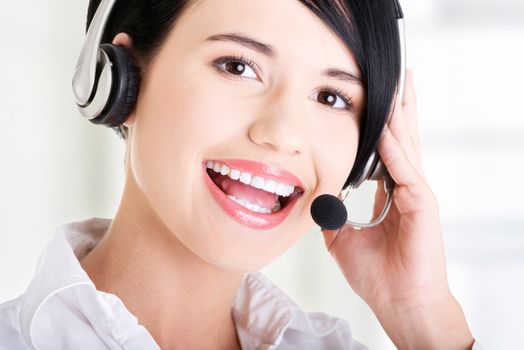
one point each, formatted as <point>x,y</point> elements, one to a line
<point>373,170</point>
<point>124,87</point>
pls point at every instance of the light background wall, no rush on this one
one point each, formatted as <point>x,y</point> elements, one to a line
<point>467,55</point>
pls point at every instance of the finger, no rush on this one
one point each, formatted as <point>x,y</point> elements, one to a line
<point>410,107</point>
<point>403,123</point>
<point>411,194</point>
<point>399,128</point>
<point>396,161</point>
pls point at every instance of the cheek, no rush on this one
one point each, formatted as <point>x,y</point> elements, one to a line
<point>174,123</point>
<point>179,116</point>
<point>336,157</point>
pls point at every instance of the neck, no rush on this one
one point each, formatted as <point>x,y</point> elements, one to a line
<point>182,300</point>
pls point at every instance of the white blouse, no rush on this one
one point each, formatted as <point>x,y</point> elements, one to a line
<point>62,309</point>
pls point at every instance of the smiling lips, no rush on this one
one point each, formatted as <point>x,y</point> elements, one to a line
<point>253,193</point>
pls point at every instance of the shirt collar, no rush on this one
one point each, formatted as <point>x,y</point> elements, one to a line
<point>261,311</point>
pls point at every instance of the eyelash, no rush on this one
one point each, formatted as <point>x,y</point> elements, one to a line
<point>336,91</point>
<point>241,59</point>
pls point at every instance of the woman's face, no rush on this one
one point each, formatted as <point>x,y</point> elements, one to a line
<point>283,115</point>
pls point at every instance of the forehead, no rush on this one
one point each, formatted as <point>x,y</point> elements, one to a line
<point>288,26</point>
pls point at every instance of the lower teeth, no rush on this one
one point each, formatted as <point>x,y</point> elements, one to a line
<point>254,207</point>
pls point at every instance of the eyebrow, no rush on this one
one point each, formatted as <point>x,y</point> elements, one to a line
<point>269,51</point>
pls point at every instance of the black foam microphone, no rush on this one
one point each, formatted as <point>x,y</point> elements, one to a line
<point>329,212</point>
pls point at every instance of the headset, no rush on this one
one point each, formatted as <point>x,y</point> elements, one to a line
<point>106,82</point>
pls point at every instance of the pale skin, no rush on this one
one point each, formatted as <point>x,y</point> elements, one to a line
<point>176,259</point>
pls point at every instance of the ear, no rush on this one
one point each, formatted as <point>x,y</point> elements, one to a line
<point>124,40</point>
<point>130,121</point>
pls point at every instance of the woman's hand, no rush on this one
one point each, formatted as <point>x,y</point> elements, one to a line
<point>398,267</point>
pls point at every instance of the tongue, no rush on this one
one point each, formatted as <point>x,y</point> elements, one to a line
<point>249,193</point>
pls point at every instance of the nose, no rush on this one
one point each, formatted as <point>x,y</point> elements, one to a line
<point>281,125</point>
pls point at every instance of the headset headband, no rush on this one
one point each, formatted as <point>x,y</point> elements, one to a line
<point>85,72</point>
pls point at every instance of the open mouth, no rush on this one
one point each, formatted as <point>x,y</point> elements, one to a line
<point>255,193</point>
<point>280,201</point>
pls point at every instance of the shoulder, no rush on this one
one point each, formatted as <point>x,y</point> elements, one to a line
<point>10,334</point>
<point>269,316</point>
<point>324,330</point>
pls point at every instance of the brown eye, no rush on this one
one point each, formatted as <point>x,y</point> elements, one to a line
<point>327,97</point>
<point>238,66</point>
<point>235,68</point>
<point>334,98</point>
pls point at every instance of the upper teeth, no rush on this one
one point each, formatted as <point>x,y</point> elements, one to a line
<point>268,185</point>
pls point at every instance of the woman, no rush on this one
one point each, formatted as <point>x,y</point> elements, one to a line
<point>230,90</point>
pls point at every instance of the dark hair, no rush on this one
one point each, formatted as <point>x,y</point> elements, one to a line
<point>367,27</point>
